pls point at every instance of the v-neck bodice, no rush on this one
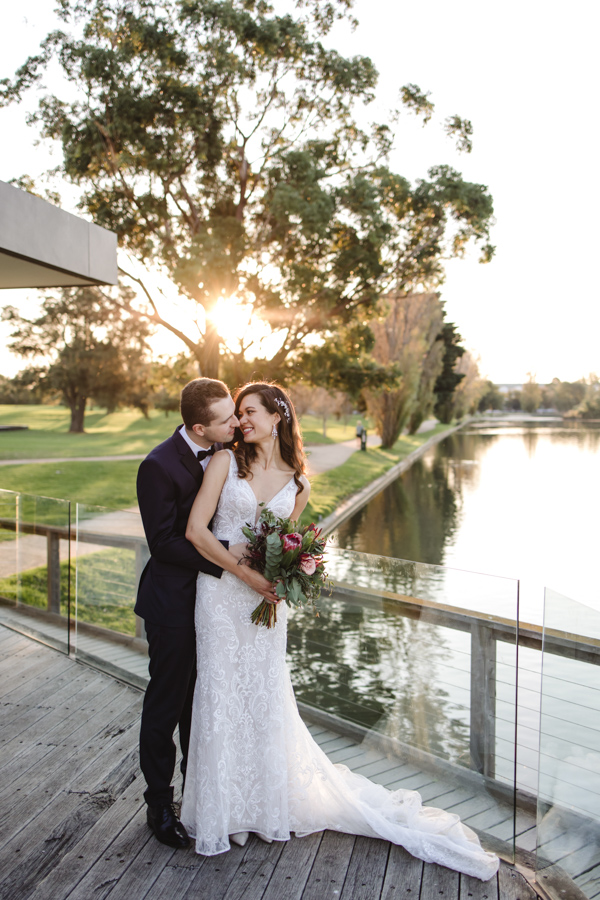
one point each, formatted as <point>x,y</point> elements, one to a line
<point>239,506</point>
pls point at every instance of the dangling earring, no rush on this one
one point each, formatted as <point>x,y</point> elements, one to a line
<point>274,431</point>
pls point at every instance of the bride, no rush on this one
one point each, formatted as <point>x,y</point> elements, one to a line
<point>253,765</point>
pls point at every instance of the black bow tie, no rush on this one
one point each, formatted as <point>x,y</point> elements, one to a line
<point>202,454</point>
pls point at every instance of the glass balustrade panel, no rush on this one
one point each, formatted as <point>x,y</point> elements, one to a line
<point>568,835</point>
<point>110,554</point>
<point>35,570</point>
<point>409,676</point>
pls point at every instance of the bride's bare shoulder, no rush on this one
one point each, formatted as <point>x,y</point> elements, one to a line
<point>305,483</point>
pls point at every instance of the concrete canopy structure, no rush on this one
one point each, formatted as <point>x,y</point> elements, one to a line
<point>44,246</point>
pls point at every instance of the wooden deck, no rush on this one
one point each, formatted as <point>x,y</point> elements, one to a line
<point>72,821</point>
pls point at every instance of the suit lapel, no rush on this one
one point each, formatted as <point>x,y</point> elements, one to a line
<point>188,459</point>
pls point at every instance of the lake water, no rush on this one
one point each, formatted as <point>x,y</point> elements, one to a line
<point>496,512</point>
<point>513,500</point>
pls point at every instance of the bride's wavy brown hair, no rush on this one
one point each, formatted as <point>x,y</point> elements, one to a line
<point>290,442</point>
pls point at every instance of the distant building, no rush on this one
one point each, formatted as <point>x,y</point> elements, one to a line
<point>44,246</point>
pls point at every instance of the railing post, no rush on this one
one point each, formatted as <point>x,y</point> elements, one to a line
<point>142,555</point>
<point>53,545</point>
<point>483,699</point>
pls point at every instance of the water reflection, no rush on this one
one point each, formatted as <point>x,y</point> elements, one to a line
<point>385,672</point>
<point>517,501</point>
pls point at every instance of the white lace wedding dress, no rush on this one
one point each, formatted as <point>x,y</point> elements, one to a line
<point>253,765</point>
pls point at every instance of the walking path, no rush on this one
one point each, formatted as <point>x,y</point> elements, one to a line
<point>321,457</point>
<point>30,551</point>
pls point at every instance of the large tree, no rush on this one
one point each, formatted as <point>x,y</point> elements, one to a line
<point>407,337</point>
<point>218,139</point>
<point>449,378</point>
<point>91,351</point>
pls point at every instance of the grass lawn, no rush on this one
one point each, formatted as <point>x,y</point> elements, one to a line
<point>112,484</point>
<point>331,488</point>
<point>125,432</point>
<point>109,484</point>
<point>106,587</point>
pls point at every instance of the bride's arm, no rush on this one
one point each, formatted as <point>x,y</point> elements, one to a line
<point>199,534</point>
<point>301,499</point>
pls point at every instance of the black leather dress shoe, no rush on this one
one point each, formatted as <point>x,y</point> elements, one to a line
<point>166,826</point>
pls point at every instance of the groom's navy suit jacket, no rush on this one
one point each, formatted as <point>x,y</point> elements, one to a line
<point>167,483</point>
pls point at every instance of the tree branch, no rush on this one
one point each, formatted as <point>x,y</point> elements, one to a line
<point>155,315</point>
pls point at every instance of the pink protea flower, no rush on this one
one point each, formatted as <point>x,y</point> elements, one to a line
<point>308,564</point>
<point>291,541</point>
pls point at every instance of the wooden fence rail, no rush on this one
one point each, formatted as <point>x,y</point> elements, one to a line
<point>485,630</point>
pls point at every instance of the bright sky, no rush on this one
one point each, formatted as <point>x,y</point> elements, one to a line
<point>526,76</point>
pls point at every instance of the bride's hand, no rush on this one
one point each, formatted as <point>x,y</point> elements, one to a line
<point>258,583</point>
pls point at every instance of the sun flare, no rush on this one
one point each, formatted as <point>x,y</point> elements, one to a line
<point>236,323</point>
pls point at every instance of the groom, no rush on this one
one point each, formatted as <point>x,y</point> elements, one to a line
<point>168,481</point>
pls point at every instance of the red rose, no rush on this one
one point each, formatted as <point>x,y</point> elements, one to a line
<point>291,541</point>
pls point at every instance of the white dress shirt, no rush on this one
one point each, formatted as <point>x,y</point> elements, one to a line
<point>195,447</point>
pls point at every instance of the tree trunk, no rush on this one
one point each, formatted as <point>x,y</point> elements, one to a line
<point>210,352</point>
<point>77,416</point>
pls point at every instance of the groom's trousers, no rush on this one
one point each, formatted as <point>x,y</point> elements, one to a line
<point>167,704</point>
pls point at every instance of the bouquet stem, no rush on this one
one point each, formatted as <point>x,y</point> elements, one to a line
<point>265,614</point>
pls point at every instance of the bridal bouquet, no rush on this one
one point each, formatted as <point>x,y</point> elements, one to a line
<point>289,556</point>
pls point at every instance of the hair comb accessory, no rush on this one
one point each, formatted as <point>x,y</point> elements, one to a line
<point>285,408</point>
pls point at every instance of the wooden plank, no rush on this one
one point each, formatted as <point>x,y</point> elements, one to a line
<point>58,672</point>
<point>65,741</point>
<point>328,873</point>
<point>403,875</point>
<point>22,671</point>
<point>213,880</point>
<point>254,873</point>
<point>373,768</point>
<point>148,862</point>
<point>339,742</point>
<point>63,778</point>
<point>512,885</point>
<point>439,883</point>
<point>171,884</point>
<point>473,806</point>
<point>366,872</point>
<point>99,859</point>
<point>411,782</point>
<point>23,653</point>
<point>474,889</point>
<point>23,724</point>
<point>433,794</point>
<point>30,856</point>
<point>293,868</point>
<point>347,755</point>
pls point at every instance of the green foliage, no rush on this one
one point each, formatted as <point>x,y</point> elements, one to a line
<point>564,395</point>
<point>407,337</point>
<point>110,484</point>
<point>449,378</point>
<point>334,486</point>
<point>93,351</point>
<point>106,589</point>
<point>18,390</point>
<point>273,557</point>
<point>220,139</point>
<point>492,398</point>
<point>589,408</point>
<point>531,395</point>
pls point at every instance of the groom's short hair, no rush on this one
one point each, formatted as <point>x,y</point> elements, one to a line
<point>197,398</point>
